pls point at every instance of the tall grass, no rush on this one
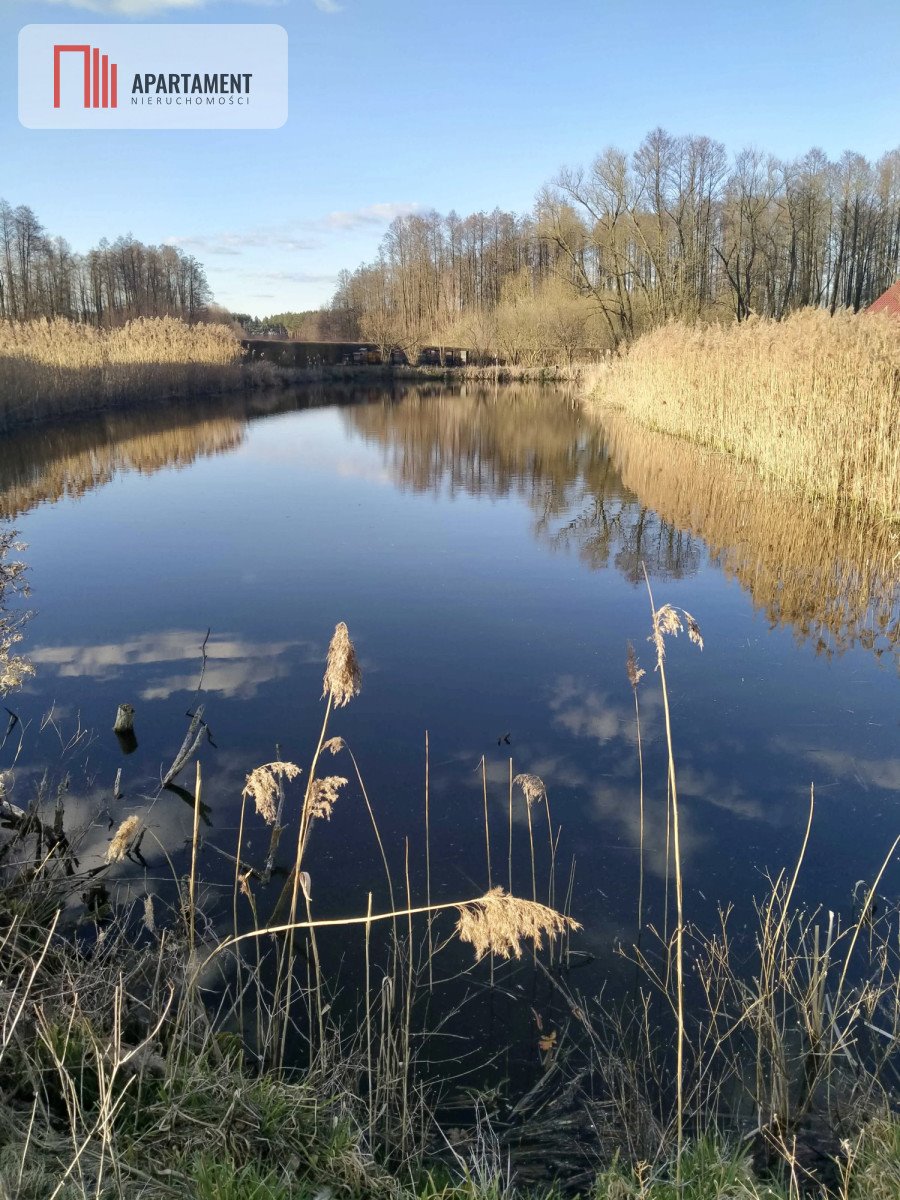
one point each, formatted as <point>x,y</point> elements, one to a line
<point>810,401</point>
<point>51,368</point>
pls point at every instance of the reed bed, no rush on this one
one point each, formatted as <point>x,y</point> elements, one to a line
<point>585,374</point>
<point>829,575</point>
<point>53,368</point>
<point>810,401</point>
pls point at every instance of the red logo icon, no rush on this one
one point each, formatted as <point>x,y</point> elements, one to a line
<point>101,77</point>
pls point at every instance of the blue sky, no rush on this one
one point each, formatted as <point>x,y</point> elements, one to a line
<point>396,104</point>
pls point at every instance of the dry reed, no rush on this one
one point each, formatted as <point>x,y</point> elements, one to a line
<point>635,675</point>
<point>343,678</point>
<point>811,401</point>
<point>667,621</point>
<point>51,368</point>
<point>262,787</point>
<point>122,839</point>
<point>498,923</point>
<point>323,796</point>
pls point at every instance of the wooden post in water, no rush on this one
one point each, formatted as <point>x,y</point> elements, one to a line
<point>124,728</point>
<point>124,719</point>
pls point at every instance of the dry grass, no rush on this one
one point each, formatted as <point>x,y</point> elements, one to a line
<point>53,368</point>
<point>811,401</point>
<point>498,923</point>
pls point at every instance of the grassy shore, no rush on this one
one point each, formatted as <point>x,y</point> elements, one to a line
<point>51,369</point>
<point>810,401</point>
<point>263,373</point>
<point>58,368</point>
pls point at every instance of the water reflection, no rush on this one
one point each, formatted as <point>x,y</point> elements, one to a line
<point>616,495</point>
<point>473,617</point>
<point>234,667</point>
<point>832,577</point>
<point>624,496</point>
<point>69,460</point>
<point>535,443</point>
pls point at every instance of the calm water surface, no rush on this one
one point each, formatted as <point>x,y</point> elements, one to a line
<point>486,550</point>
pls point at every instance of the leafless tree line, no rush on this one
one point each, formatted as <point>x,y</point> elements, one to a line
<point>41,276</point>
<point>674,230</point>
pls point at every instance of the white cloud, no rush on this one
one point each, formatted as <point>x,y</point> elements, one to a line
<point>147,8</point>
<point>291,276</point>
<point>373,214</point>
<point>586,712</point>
<point>328,6</point>
<point>297,236</point>
<point>132,8</point>
<point>234,242</point>
<point>866,773</point>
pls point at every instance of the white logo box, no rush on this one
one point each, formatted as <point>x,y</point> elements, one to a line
<point>161,76</point>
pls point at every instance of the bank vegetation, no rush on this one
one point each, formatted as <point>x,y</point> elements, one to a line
<point>811,402</point>
<point>57,367</point>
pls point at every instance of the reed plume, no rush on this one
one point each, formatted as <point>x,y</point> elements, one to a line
<point>634,672</point>
<point>122,839</point>
<point>343,679</point>
<point>498,923</point>
<point>533,788</point>
<point>667,622</point>
<point>535,791</point>
<point>323,795</point>
<point>262,787</point>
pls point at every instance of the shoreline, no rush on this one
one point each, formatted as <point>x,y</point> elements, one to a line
<point>250,377</point>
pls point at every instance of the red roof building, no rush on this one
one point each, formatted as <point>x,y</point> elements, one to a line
<point>887,303</point>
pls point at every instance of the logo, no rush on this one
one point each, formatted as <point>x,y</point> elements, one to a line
<point>101,77</point>
<point>153,76</point>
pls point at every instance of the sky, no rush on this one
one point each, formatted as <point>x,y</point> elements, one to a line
<point>398,105</point>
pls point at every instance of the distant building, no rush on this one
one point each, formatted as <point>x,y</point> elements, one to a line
<point>889,302</point>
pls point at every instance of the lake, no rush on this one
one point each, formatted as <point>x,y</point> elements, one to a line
<point>486,547</point>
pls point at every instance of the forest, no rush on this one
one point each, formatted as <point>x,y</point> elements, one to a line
<point>674,230</point>
<point>115,282</point>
